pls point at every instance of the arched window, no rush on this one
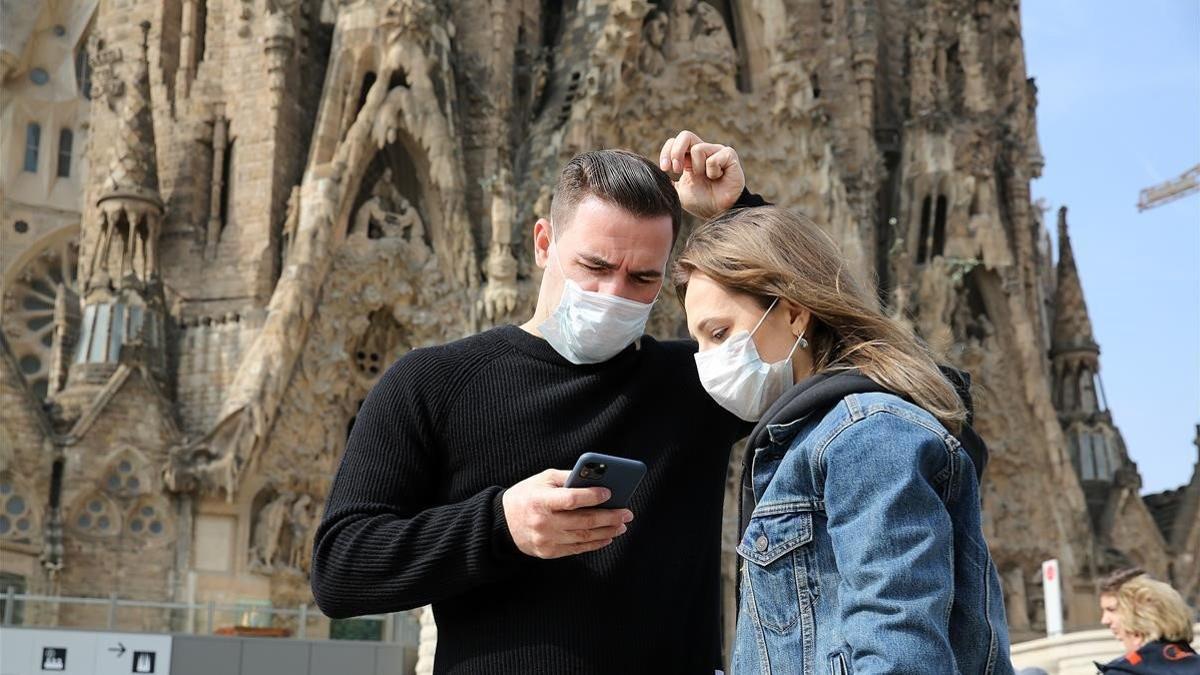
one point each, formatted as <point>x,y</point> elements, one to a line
<point>33,143</point>
<point>1087,391</point>
<point>926,221</point>
<point>66,139</point>
<point>1068,391</point>
<point>16,511</point>
<point>1075,453</point>
<point>1087,459</point>
<point>1100,455</point>
<point>228,211</point>
<point>939,228</point>
<point>201,29</point>
<point>83,72</point>
<point>148,519</point>
<point>125,477</point>
<point>95,515</point>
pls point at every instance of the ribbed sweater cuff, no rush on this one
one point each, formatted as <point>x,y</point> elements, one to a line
<point>502,542</point>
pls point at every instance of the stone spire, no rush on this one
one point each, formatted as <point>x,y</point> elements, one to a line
<point>124,315</point>
<point>1094,443</point>
<point>129,207</point>
<point>133,169</point>
<point>1072,325</point>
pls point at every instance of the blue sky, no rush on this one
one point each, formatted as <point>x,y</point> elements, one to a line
<point>1119,110</point>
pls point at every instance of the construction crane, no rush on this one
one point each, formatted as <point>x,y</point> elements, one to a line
<point>1169,191</point>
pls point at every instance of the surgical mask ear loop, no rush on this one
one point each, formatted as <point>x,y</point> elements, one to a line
<point>764,316</point>
<point>800,343</point>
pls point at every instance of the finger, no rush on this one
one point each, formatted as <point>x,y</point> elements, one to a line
<point>588,519</point>
<point>664,155</point>
<point>721,161</point>
<point>700,154</point>
<point>555,477</point>
<point>576,549</point>
<point>596,534</point>
<point>570,499</point>
<point>680,149</point>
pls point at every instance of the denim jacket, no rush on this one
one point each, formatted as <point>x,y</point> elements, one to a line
<point>864,552</point>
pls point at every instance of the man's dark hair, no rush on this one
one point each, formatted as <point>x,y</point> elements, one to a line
<point>621,178</point>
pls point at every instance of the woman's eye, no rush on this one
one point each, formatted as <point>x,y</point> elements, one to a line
<point>718,335</point>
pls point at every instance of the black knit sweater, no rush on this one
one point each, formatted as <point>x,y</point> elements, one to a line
<point>414,514</point>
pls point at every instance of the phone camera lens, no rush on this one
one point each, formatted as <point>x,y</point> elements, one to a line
<point>585,472</point>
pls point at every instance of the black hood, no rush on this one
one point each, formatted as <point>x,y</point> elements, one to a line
<point>818,393</point>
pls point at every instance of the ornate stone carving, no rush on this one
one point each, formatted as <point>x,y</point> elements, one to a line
<point>500,295</point>
<point>415,43</point>
<point>653,59</point>
<point>268,527</point>
<point>106,86</point>
<point>282,534</point>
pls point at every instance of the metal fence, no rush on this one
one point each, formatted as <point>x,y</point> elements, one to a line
<point>299,622</point>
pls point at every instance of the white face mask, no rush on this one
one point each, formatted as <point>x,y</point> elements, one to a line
<point>590,327</point>
<point>738,379</point>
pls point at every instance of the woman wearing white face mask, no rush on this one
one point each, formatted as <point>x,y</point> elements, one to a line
<point>862,549</point>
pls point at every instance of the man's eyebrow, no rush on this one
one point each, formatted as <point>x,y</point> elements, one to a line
<point>647,274</point>
<point>597,261</point>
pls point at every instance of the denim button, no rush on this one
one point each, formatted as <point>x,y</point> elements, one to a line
<point>761,543</point>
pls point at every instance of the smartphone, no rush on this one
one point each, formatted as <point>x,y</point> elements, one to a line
<point>618,474</point>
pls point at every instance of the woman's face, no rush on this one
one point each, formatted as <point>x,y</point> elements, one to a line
<point>1112,619</point>
<point>714,314</point>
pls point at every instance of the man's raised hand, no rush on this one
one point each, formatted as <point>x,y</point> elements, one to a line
<point>547,520</point>
<point>710,174</point>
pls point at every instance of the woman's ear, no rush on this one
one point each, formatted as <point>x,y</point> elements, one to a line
<point>798,317</point>
<point>542,236</point>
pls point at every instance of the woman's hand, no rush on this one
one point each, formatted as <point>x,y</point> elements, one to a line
<point>710,174</point>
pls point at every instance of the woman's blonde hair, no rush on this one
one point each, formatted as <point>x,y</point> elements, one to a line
<point>769,252</point>
<point>1153,610</point>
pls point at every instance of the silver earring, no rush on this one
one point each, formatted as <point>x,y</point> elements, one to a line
<point>802,343</point>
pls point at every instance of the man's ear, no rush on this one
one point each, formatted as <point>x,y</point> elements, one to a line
<point>798,317</point>
<point>542,236</point>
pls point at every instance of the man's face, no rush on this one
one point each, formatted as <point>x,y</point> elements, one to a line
<point>604,249</point>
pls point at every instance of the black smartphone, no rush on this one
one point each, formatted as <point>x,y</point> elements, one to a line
<point>619,475</point>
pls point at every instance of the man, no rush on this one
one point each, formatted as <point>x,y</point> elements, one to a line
<point>533,578</point>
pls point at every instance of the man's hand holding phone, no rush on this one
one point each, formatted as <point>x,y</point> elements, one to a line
<point>547,520</point>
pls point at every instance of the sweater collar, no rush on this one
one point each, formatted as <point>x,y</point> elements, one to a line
<point>537,347</point>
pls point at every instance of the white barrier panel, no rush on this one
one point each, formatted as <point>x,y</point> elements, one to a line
<point>28,651</point>
<point>1052,595</point>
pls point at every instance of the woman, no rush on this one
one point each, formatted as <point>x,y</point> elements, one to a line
<point>1153,624</point>
<point>863,550</point>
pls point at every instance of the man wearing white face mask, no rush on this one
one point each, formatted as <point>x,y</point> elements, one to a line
<point>450,490</point>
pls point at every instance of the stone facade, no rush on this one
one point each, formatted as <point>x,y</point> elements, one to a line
<point>290,194</point>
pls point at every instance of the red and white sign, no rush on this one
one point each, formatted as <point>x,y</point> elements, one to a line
<point>1052,595</point>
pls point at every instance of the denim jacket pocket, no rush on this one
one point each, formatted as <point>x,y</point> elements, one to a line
<point>838,664</point>
<point>777,568</point>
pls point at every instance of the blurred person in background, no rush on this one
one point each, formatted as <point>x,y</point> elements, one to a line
<point>1152,622</point>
